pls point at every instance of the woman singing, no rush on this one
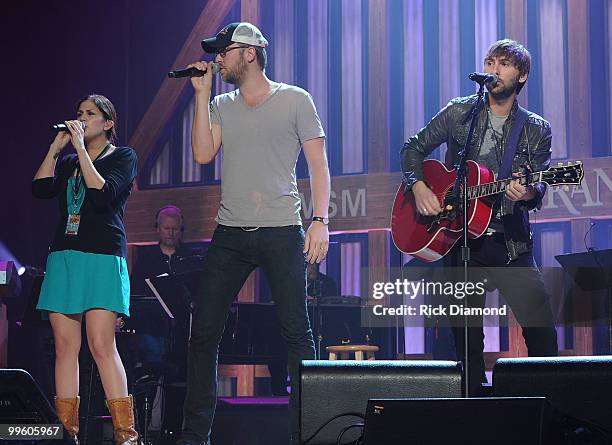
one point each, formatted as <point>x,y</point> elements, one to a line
<point>87,275</point>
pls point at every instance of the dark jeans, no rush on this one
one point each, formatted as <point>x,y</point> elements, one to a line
<point>232,256</point>
<point>521,285</point>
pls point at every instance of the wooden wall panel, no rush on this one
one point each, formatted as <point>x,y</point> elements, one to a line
<point>378,139</point>
<point>360,203</point>
<point>583,333</point>
<point>163,106</point>
<point>379,245</point>
<point>579,79</point>
<point>515,23</point>
<point>249,12</point>
<point>250,289</point>
<point>516,28</point>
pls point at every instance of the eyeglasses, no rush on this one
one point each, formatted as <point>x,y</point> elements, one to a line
<point>224,51</point>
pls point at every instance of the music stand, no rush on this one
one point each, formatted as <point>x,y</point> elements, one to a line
<point>592,271</point>
<point>171,293</point>
<point>159,297</point>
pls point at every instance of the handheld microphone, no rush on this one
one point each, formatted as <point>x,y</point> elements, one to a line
<point>63,127</point>
<point>193,72</point>
<point>482,78</point>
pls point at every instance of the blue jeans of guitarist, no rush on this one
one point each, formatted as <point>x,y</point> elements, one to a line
<point>233,254</point>
<point>521,285</point>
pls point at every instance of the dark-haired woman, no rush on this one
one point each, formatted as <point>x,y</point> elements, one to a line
<point>87,275</point>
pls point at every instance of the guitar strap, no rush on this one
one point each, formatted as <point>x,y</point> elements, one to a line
<point>510,149</point>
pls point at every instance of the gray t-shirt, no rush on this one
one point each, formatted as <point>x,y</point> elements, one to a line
<point>491,151</point>
<point>260,148</point>
<point>491,155</point>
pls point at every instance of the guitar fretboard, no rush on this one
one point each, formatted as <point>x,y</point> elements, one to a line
<point>493,188</point>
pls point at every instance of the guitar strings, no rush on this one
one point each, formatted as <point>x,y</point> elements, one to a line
<point>474,187</point>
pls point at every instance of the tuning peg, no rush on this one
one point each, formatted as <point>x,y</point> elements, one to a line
<point>566,188</point>
<point>570,163</point>
<point>559,164</point>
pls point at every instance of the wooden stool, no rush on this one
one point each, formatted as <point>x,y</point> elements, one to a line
<point>345,350</point>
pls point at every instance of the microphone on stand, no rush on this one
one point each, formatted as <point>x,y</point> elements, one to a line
<point>482,78</point>
<point>193,72</point>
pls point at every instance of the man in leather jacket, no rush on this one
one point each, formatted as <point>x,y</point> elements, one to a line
<point>503,255</point>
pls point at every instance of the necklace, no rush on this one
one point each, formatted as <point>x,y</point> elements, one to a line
<point>77,176</point>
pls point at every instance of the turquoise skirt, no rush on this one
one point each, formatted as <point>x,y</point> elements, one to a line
<point>78,281</point>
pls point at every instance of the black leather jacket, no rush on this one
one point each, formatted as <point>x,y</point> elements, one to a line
<point>451,126</point>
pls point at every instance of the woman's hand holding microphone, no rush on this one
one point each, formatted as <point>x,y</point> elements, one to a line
<point>75,133</point>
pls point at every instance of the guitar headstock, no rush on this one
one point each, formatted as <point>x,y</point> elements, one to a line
<point>567,174</point>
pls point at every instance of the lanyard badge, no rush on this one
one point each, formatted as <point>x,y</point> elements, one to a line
<point>75,196</point>
<point>72,225</point>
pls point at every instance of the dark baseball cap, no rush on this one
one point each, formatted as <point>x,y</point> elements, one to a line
<point>239,32</point>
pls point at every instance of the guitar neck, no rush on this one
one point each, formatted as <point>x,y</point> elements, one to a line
<point>493,188</point>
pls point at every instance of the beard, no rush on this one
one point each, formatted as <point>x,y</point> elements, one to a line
<point>236,76</point>
<point>500,91</point>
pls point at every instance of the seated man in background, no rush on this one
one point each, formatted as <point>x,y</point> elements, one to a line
<point>154,352</point>
<point>163,257</point>
<point>166,257</point>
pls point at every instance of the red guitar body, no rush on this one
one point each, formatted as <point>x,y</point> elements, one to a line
<point>430,238</point>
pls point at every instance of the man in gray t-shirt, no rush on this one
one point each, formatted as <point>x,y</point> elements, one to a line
<point>260,128</point>
<point>260,148</point>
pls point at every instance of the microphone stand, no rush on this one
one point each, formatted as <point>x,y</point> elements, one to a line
<point>317,291</point>
<point>460,191</point>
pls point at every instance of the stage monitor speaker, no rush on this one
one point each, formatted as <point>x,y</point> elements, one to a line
<point>478,421</point>
<point>22,402</point>
<point>579,387</point>
<point>334,388</point>
<point>250,421</point>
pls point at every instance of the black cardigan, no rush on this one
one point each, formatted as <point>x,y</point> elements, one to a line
<point>101,228</point>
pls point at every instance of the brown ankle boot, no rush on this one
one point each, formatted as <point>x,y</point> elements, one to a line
<point>68,413</point>
<point>122,412</point>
